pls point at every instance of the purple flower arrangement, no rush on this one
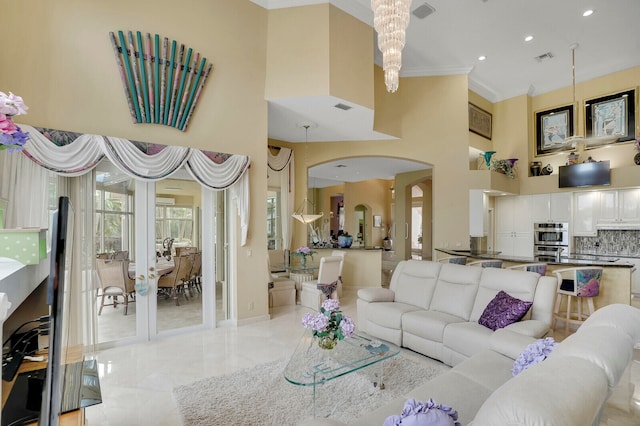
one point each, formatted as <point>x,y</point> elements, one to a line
<point>329,322</point>
<point>11,136</point>
<point>536,352</point>
<point>416,413</point>
<point>304,252</point>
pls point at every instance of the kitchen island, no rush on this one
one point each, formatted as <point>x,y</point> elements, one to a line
<point>362,266</point>
<point>616,278</point>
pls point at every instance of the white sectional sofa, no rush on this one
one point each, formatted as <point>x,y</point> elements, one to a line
<point>569,388</point>
<point>433,308</point>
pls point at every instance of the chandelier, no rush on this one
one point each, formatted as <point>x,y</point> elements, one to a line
<point>390,20</point>
<point>301,213</point>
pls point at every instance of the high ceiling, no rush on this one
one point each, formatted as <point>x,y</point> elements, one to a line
<point>451,39</point>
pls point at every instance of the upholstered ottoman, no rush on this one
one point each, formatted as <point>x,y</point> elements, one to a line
<point>282,292</point>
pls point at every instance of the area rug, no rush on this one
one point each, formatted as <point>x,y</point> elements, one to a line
<point>260,395</point>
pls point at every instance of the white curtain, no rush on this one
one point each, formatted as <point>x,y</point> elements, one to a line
<point>24,185</point>
<point>282,163</point>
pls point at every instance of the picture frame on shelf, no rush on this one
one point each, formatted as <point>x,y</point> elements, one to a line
<point>480,121</point>
<point>611,117</point>
<point>553,127</point>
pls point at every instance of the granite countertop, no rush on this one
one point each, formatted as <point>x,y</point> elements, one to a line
<point>574,259</point>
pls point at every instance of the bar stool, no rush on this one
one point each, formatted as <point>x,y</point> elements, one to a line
<point>581,282</point>
<point>487,263</point>
<point>460,260</point>
<point>538,268</point>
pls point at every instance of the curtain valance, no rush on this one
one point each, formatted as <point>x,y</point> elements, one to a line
<point>79,154</point>
<point>280,160</point>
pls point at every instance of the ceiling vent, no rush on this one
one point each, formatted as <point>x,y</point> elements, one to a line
<point>544,57</point>
<point>343,107</point>
<point>424,10</point>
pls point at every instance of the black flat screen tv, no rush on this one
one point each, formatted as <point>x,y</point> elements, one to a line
<point>585,174</point>
<point>58,299</point>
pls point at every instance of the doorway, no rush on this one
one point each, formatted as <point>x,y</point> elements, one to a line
<point>163,227</point>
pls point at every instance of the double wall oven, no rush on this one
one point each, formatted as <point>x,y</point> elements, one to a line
<point>551,241</point>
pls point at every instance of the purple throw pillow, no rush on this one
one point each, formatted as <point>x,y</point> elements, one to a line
<point>503,310</point>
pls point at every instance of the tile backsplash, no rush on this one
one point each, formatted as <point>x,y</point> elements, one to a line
<point>618,242</point>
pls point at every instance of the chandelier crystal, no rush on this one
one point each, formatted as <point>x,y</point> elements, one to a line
<point>390,20</point>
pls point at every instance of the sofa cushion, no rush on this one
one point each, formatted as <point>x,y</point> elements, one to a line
<point>537,397</point>
<point>503,310</point>
<point>388,314</point>
<point>428,324</point>
<point>414,281</point>
<point>519,284</point>
<point>467,338</point>
<point>456,290</point>
<point>509,343</point>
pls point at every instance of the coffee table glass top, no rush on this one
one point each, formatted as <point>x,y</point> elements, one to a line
<point>310,365</point>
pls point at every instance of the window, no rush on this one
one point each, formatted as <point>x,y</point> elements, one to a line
<point>114,220</point>
<point>274,231</point>
<point>174,222</point>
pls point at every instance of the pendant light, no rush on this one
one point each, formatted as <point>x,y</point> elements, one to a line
<point>301,214</point>
<point>575,139</point>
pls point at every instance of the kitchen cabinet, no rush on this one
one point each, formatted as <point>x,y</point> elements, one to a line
<point>554,207</point>
<point>585,208</point>
<point>619,207</point>
<point>514,229</point>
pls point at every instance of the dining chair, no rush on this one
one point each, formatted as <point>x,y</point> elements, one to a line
<point>172,284</point>
<point>181,251</point>
<point>487,263</point>
<point>195,279</point>
<point>539,268</point>
<point>115,282</point>
<point>314,292</point>
<point>120,255</point>
<point>459,260</point>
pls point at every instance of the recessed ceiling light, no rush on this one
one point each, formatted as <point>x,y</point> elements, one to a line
<point>482,58</point>
<point>528,38</point>
<point>588,12</point>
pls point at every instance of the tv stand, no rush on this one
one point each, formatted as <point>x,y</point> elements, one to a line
<point>27,386</point>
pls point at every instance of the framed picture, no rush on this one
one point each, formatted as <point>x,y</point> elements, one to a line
<point>553,127</point>
<point>377,221</point>
<point>611,116</point>
<point>479,121</point>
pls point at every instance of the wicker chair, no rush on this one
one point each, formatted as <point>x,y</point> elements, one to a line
<point>174,283</point>
<point>115,282</point>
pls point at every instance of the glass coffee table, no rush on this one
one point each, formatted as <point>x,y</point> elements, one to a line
<point>310,365</point>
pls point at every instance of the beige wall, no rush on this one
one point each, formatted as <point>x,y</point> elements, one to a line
<point>60,60</point>
<point>319,50</point>
<point>620,155</point>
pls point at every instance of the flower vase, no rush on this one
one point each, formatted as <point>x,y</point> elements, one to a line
<point>327,342</point>
<point>487,157</point>
<point>303,260</point>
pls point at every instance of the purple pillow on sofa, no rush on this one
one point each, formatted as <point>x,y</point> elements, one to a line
<point>503,310</point>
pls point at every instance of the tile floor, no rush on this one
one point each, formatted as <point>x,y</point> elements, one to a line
<point>137,379</point>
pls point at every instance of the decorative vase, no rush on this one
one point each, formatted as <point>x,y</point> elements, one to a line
<point>512,161</point>
<point>536,168</point>
<point>303,260</point>
<point>487,157</point>
<point>345,241</point>
<point>636,159</point>
<point>327,342</point>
